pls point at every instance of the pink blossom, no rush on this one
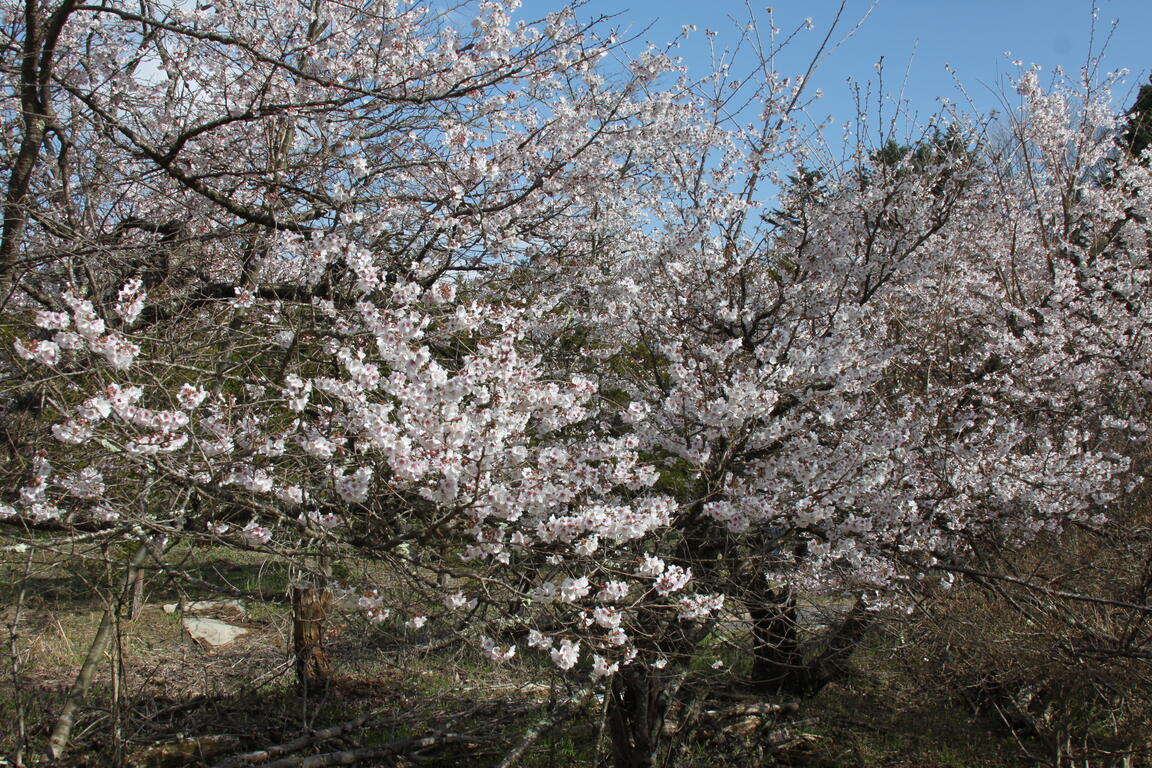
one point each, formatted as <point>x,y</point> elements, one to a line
<point>566,654</point>
<point>673,579</point>
<point>53,321</point>
<point>255,535</point>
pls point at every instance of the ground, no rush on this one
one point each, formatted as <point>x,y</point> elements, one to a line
<point>169,701</point>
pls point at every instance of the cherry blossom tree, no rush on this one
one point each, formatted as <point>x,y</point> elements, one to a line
<point>254,255</point>
<point>324,279</point>
<point>850,392</point>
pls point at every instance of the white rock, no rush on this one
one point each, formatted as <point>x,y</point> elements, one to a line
<point>228,607</point>
<point>211,631</point>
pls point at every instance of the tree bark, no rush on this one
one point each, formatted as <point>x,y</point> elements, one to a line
<point>310,606</point>
<point>778,665</point>
<point>831,664</point>
<point>637,703</point>
<point>776,659</point>
<point>38,50</point>
<point>137,604</point>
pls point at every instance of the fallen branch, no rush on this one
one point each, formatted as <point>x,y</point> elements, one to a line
<point>262,756</point>
<point>353,756</point>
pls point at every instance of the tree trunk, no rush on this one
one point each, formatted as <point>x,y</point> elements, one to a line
<point>779,667</point>
<point>776,659</point>
<point>137,603</point>
<point>637,702</point>
<point>310,607</point>
<point>831,664</point>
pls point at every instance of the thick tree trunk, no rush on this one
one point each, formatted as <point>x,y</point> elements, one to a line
<point>776,659</point>
<point>779,666</point>
<point>831,665</point>
<point>637,702</point>
<point>310,606</point>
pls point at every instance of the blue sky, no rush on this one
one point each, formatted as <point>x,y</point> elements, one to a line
<point>916,38</point>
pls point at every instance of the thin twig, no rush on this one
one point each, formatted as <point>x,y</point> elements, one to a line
<point>1043,589</point>
<point>62,731</point>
